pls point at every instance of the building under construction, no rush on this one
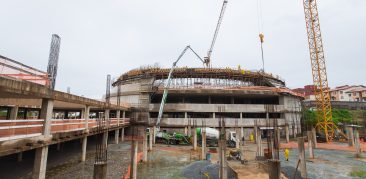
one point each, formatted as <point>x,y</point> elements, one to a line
<point>202,96</point>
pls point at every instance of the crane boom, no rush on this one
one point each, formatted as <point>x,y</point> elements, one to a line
<point>169,80</point>
<point>207,59</point>
<point>321,90</point>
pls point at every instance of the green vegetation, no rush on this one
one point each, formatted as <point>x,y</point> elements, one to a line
<point>358,174</point>
<point>338,115</point>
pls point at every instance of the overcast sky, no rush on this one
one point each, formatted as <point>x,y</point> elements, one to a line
<point>114,36</point>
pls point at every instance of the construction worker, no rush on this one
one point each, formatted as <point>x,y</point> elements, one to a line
<point>286,153</point>
<point>251,137</point>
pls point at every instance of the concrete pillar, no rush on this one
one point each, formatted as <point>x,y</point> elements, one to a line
<point>313,131</point>
<point>105,139</point>
<point>154,134</point>
<point>287,133</point>
<point>86,117</point>
<point>40,163</point>
<point>214,115</point>
<point>144,147</point>
<point>302,158</point>
<point>100,171</point>
<point>194,138</point>
<point>118,115</point>
<point>255,131</point>
<point>83,149</point>
<point>122,134</point>
<point>150,140</point>
<point>222,158</point>
<point>40,160</point>
<point>20,156</point>
<point>237,136</point>
<point>350,136</point>
<point>116,136</point>
<point>357,144</point>
<point>14,113</point>
<point>186,131</point>
<point>274,169</point>
<point>310,144</point>
<point>260,152</point>
<point>58,146</point>
<point>106,116</point>
<point>203,148</point>
<point>134,147</point>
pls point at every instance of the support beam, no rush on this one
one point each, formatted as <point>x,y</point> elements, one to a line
<point>287,133</point>
<point>134,147</point>
<point>194,138</point>
<point>302,157</point>
<point>351,142</point>
<point>203,148</point>
<point>313,131</point>
<point>144,147</point>
<point>122,134</point>
<point>14,113</point>
<point>40,160</point>
<point>83,149</point>
<point>310,144</point>
<point>357,144</point>
<point>116,136</point>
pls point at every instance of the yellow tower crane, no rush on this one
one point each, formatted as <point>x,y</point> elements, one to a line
<point>321,89</point>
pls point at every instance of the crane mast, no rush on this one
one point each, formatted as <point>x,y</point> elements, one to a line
<point>319,72</point>
<point>207,59</point>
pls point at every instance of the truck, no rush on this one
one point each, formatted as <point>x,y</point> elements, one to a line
<point>212,137</point>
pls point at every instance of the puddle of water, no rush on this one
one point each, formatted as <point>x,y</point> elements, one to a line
<point>163,165</point>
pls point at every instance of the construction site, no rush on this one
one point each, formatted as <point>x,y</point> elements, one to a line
<point>179,122</point>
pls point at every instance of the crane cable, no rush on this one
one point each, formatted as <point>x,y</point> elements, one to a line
<point>260,28</point>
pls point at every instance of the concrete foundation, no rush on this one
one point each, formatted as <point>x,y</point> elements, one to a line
<point>274,169</point>
<point>302,157</point>
<point>100,171</point>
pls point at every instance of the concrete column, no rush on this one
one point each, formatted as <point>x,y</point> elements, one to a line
<point>40,163</point>
<point>287,133</point>
<point>106,116</point>
<point>255,131</point>
<point>274,169</point>
<point>194,138</point>
<point>222,159</point>
<point>134,147</point>
<point>118,115</point>
<point>357,144</point>
<point>203,148</point>
<point>83,149</point>
<point>237,136</point>
<point>150,140</point>
<point>144,147</point>
<point>122,134</point>
<point>86,117</point>
<point>20,156</point>
<point>350,136</point>
<point>186,131</point>
<point>105,139</point>
<point>100,170</point>
<point>58,146</point>
<point>241,115</point>
<point>313,131</point>
<point>214,115</point>
<point>154,134</point>
<point>260,152</point>
<point>14,112</point>
<point>310,144</point>
<point>242,134</point>
<point>116,136</point>
<point>302,157</point>
<point>40,160</point>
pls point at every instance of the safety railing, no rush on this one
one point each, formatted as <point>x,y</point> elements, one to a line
<point>16,129</point>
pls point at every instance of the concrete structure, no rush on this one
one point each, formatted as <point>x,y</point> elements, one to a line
<point>202,96</point>
<point>302,158</point>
